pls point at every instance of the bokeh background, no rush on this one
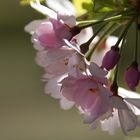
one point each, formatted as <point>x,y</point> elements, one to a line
<point>26,113</point>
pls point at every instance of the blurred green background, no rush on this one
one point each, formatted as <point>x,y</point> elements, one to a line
<point>26,113</point>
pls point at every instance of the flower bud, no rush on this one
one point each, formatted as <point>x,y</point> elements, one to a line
<point>111,58</point>
<point>132,76</point>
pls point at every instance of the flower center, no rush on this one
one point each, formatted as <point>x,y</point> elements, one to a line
<point>66,61</point>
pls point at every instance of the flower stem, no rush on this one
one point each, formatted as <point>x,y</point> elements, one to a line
<point>85,47</point>
<point>137,35</point>
<point>88,23</point>
<point>85,24</point>
<point>110,29</point>
<point>115,80</point>
<point>124,32</point>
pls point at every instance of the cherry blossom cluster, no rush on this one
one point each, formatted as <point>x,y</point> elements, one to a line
<point>81,66</point>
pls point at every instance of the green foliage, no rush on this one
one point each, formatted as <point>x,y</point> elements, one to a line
<point>110,5</point>
<point>83,6</point>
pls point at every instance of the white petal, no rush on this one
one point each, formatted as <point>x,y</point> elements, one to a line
<point>76,63</point>
<point>53,88</point>
<point>43,9</point>
<point>75,47</point>
<point>111,124</point>
<point>128,120</point>
<point>134,104</point>
<point>62,6</point>
<point>127,93</point>
<point>84,35</point>
<point>118,102</point>
<point>65,104</point>
<point>47,76</point>
<point>37,46</point>
<point>70,20</point>
<point>42,58</point>
<point>97,72</point>
<point>32,26</point>
<point>111,41</point>
<point>57,67</point>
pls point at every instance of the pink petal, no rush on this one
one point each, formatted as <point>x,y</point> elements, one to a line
<point>66,104</point>
<point>98,73</point>
<point>32,26</point>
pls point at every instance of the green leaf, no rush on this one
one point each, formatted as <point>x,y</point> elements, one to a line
<point>100,4</point>
<point>107,5</point>
<point>105,9</point>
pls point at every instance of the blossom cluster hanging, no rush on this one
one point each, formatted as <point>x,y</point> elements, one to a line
<point>81,59</point>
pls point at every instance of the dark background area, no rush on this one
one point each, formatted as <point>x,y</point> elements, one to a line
<point>26,113</point>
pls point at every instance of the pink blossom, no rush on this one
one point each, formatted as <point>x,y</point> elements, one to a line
<point>54,61</point>
<point>51,32</point>
<point>54,76</point>
<point>57,64</point>
<point>53,55</point>
<point>88,93</point>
